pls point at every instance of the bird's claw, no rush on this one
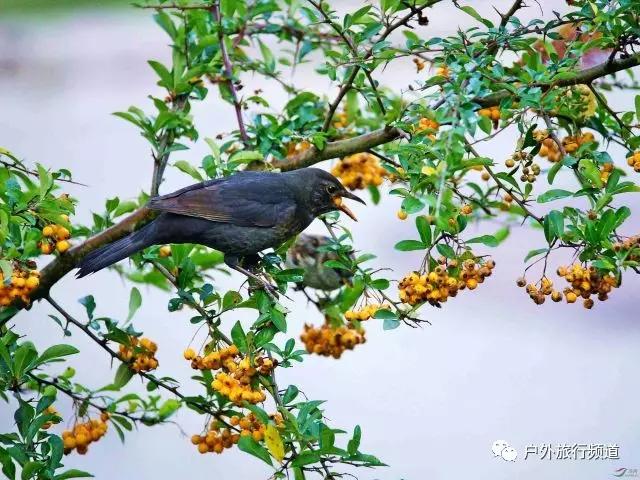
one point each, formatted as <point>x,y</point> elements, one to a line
<point>269,288</point>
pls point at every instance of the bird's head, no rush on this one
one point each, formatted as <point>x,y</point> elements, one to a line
<point>324,192</point>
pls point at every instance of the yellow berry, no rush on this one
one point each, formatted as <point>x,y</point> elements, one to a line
<point>62,246</point>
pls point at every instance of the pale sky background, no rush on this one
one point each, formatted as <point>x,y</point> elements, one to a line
<point>430,401</point>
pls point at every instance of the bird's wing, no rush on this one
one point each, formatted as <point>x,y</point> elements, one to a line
<point>247,199</point>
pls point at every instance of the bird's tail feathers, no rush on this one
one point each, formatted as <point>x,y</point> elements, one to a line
<point>114,252</point>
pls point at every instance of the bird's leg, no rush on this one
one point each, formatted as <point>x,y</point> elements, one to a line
<point>252,263</point>
<point>234,263</point>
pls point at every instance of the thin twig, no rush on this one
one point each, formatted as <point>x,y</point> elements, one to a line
<point>228,67</point>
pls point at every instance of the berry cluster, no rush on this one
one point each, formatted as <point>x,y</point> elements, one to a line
<point>238,375</point>
<point>140,354</point>
<point>216,439</point>
<point>331,341</point>
<point>213,360</point>
<point>571,143</point>
<point>444,281</point>
<point>366,312</point>
<point>83,434</point>
<point>634,161</point>
<point>250,425</point>
<point>585,282</point>
<point>524,161</point>
<point>359,171</point>
<point>492,113</point>
<point>429,126</point>
<point>550,150</point>
<point>237,386</point>
<point>539,293</point>
<point>21,284</point>
<point>55,237</point>
<point>419,64</point>
<point>630,245</point>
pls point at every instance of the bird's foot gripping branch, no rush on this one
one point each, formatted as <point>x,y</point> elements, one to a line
<point>427,145</point>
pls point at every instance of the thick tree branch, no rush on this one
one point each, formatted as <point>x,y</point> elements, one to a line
<point>339,148</point>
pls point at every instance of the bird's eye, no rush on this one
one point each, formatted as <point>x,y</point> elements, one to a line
<point>331,189</point>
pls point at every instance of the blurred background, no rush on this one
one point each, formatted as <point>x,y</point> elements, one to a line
<point>432,400</point>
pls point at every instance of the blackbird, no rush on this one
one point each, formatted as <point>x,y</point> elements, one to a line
<point>239,215</point>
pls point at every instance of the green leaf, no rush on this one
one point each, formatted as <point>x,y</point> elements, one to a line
<point>123,375</point>
<point>249,445</point>
<point>30,470</point>
<point>306,457</point>
<point>166,80</point>
<point>73,473</point>
<point>135,300</point>
<point>554,194</point>
<point>239,338</point>
<point>535,253</point>
<point>424,229</point>
<point>354,443</point>
<point>385,313</point>
<point>488,240</point>
<point>189,169</point>
<point>269,61</point>
<point>390,324</point>
<point>485,124</point>
<point>556,220</point>
<point>278,319</point>
<point>168,408</point>
<point>244,156</point>
<point>471,11</point>
<point>408,245</point>
<point>290,394</point>
<point>125,207</point>
<point>445,250</point>
<point>55,352</point>
<point>89,304</point>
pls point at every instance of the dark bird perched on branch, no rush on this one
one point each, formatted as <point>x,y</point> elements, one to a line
<point>239,215</point>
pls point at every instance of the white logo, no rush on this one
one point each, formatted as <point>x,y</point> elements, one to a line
<point>501,448</point>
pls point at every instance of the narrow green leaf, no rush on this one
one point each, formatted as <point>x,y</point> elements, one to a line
<point>554,194</point>
<point>408,245</point>
<point>135,300</point>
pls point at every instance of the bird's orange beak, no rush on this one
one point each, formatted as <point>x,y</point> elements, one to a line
<point>337,201</point>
